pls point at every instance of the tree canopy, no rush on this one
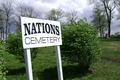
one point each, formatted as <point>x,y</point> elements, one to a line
<point>99,20</point>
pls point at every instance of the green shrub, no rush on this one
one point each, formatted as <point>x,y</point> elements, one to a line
<point>14,46</point>
<point>3,70</point>
<point>80,43</point>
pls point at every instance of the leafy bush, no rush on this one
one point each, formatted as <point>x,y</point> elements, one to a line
<point>14,46</point>
<point>3,70</point>
<point>80,43</point>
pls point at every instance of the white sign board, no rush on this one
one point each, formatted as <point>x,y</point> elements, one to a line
<point>40,33</point>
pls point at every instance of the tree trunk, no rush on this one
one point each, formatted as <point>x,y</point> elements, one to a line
<point>6,29</point>
<point>100,33</point>
<point>109,24</point>
<point>3,33</point>
<point>71,21</point>
<point>109,28</point>
<point>108,14</point>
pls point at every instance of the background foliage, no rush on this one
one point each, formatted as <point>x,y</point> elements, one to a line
<point>3,70</point>
<point>116,35</point>
<point>14,46</point>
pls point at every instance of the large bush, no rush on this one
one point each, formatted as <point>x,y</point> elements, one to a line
<point>3,70</point>
<point>14,46</point>
<point>80,43</point>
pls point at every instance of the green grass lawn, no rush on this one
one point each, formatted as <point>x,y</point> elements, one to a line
<point>45,68</point>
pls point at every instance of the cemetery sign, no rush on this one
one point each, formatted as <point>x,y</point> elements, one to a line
<point>40,33</point>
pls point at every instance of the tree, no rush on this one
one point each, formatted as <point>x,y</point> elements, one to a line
<point>71,16</point>
<point>7,9</point>
<point>108,6</point>
<point>54,14</point>
<point>25,11</point>
<point>1,15</point>
<point>99,20</point>
<point>29,11</point>
<point>1,24</point>
<point>118,16</point>
<point>2,30</point>
<point>118,8</point>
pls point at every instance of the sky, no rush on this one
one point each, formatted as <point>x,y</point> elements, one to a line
<point>81,6</point>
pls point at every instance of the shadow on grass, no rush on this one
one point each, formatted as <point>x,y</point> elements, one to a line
<point>16,71</point>
<point>69,72</point>
<point>109,39</point>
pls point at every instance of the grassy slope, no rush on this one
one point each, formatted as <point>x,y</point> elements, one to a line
<point>44,66</point>
<point>110,48</point>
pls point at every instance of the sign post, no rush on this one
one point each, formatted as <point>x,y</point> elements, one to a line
<point>59,64</point>
<point>28,64</point>
<point>40,33</point>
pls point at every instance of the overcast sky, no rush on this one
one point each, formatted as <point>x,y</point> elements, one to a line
<point>81,6</point>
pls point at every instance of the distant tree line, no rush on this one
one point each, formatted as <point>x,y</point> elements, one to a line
<point>10,15</point>
<point>101,18</point>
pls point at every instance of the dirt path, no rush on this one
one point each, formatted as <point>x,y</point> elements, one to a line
<point>109,59</point>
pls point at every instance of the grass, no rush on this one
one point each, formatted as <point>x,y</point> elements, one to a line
<point>45,68</point>
<point>110,47</point>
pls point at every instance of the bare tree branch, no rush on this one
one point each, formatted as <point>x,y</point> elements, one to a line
<point>71,16</point>
<point>7,9</point>
<point>55,14</point>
